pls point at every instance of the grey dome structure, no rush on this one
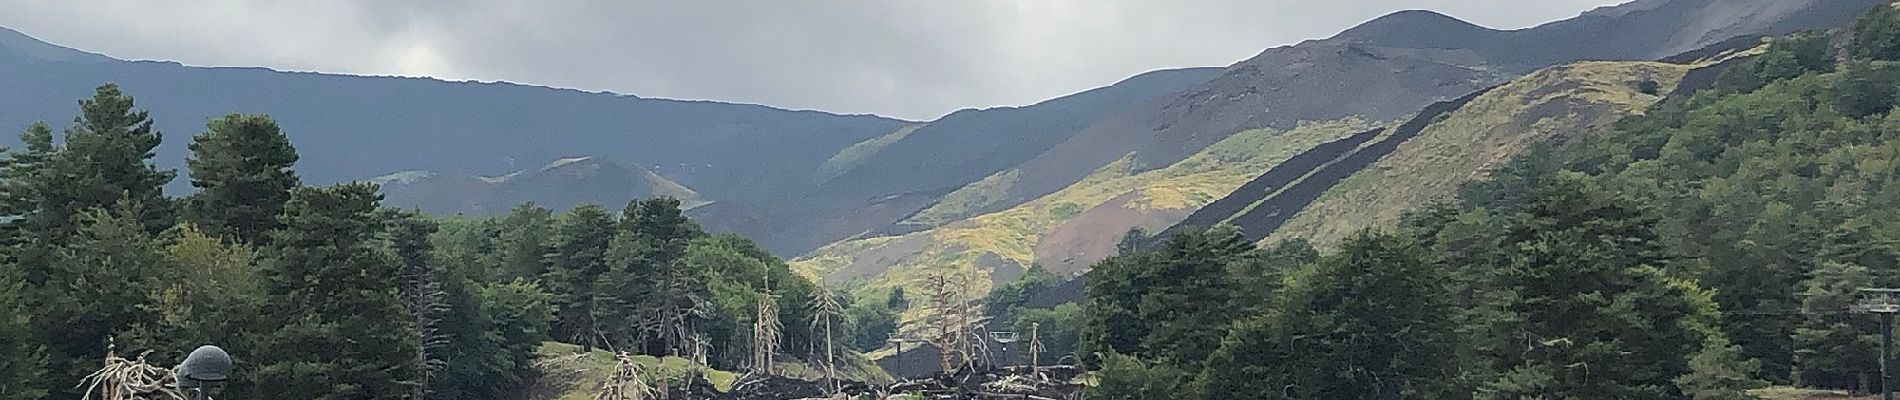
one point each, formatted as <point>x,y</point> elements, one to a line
<point>206,364</point>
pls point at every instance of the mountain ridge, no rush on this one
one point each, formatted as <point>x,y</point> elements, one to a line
<point>560,185</point>
<point>1381,81</point>
<point>355,127</point>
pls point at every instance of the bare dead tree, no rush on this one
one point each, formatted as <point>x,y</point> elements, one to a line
<point>969,319</point>
<point>949,318</point>
<point>676,305</point>
<point>629,381</point>
<point>422,291</point>
<point>1035,349</point>
<point>427,306</point>
<point>825,307</point>
<point>766,331</point>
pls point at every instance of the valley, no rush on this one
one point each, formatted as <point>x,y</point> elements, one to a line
<point>1684,197</point>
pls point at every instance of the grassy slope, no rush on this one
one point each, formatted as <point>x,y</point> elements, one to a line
<point>1538,108</point>
<point>567,374</point>
<point>852,156</point>
<point>967,199</point>
<point>1012,234</point>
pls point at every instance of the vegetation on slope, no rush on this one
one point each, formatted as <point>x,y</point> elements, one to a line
<point>967,200</point>
<point>1704,249</point>
<point>566,372</point>
<point>903,175</point>
<point>1008,239</point>
<point>1548,107</point>
<point>855,155</point>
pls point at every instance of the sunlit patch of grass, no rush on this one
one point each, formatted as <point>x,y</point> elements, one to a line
<point>1789,393</point>
<point>855,155</point>
<point>834,257</point>
<point>967,200</point>
<point>566,373</point>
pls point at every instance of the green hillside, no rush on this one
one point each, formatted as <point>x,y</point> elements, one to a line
<point>1005,242</point>
<point>1717,245</point>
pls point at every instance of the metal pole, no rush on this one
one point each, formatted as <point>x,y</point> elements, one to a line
<point>1886,354</point>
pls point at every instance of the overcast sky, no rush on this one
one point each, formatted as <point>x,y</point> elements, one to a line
<point>914,59</point>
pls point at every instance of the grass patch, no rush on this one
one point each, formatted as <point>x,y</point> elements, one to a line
<point>851,367</point>
<point>852,157</point>
<point>1064,211</point>
<point>565,373</point>
<point>967,200</point>
<point>1789,393</point>
<point>834,257</point>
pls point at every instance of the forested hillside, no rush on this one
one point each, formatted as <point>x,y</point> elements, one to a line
<point>1689,214</point>
<point>1708,246</point>
<point>324,292</point>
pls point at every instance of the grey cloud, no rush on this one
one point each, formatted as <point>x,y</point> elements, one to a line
<point>909,59</point>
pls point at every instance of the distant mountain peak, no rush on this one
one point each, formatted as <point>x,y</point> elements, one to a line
<point>1405,27</point>
<point>1619,10</point>
<point>1416,17</point>
<point>21,44</point>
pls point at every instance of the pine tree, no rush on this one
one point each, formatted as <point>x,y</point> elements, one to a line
<point>1125,377</point>
<point>24,251</point>
<point>107,160</point>
<point>338,327</point>
<point>241,166</point>
<point>22,181</point>
<point>21,376</point>
<point>677,300</point>
<point>210,294</point>
<point>575,266</point>
<point>1834,350</point>
<point>1719,372</point>
<point>522,241</point>
<point>896,300</point>
<point>1257,278</point>
<point>1185,298</point>
<point>661,222</point>
<point>1598,320</point>
<point>423,295</point>
<point>1372,321</point>
<point>1762,270</point>
<point>675,308</point>
<point>517,315</point>
<point>96,290</point>
<point>1110,323</point>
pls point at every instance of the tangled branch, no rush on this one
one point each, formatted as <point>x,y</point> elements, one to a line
<point>130,379</point>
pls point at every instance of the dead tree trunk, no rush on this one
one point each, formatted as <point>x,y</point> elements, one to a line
<point>825,307</point>
<point>765,334</point>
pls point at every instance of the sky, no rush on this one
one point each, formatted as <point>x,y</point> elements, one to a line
<point>911,59</point>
